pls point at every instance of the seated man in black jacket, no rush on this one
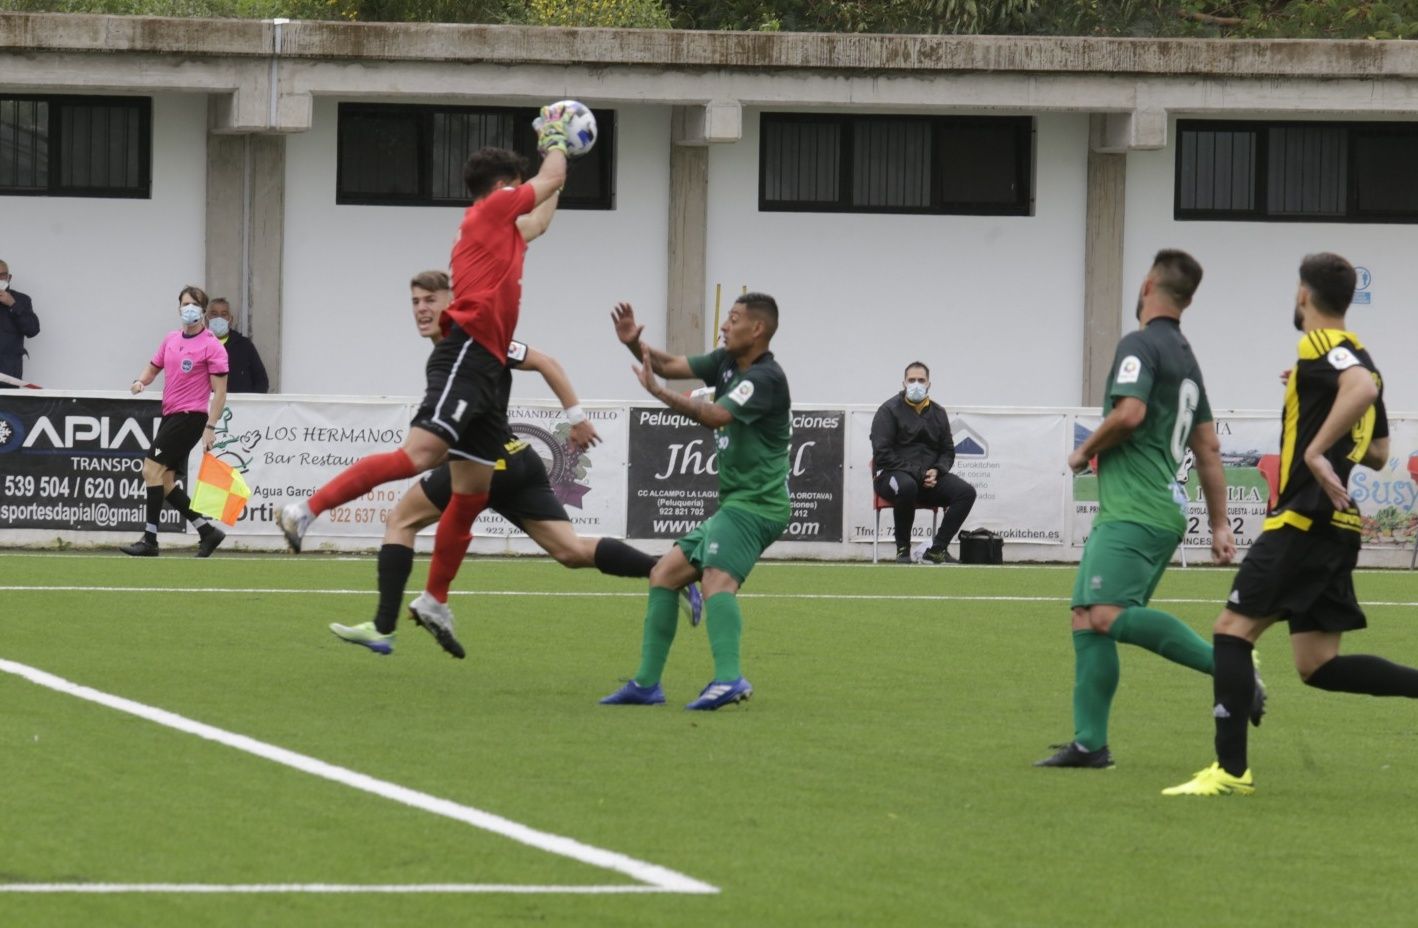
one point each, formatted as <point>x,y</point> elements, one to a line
<point>913,452</point>
<point>248,374</point>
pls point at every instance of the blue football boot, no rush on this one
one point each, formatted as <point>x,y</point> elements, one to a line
<point>633,694</point>
<point>716,695</point>
<point>691,603</point>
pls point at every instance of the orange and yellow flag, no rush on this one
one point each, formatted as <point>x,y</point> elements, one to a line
<point>220,491</point>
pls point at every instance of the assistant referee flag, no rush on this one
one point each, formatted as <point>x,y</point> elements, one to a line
<point>220,493</point>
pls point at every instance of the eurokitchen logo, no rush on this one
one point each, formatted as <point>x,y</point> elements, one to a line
<point>968,442</point>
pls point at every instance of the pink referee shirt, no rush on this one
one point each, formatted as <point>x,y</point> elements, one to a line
<point>189,361</point>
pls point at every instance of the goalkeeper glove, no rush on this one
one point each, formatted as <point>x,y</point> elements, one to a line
<point>551,129</point>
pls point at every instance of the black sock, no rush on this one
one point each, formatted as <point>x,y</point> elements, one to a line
<point>183,504</point>
<point>150,531</point>
<point>396,562</point>
<point>621,560</point>
<point>1233,681</point>
<point>1365,673</point>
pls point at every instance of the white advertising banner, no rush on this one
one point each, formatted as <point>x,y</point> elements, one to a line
<point>1016,461</point>
<point>287,450</point>
<point>590,484</point>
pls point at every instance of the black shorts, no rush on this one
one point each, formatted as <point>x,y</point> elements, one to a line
<point>178,434</point>
<point>520,493</point>
<point>466,400</point>
<point>1306,578</point>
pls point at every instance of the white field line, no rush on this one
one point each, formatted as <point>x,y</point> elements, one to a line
<point>538,560</point>
<point>572,594</point>
<point>329,888</point>
<point>653,876</point>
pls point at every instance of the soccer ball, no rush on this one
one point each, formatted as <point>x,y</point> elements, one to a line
<point>580,129</point>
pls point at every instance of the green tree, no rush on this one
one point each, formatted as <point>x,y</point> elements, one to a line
<point>616,14</point>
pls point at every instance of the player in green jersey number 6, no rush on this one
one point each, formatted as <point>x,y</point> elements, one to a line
<point>752,420</point>
<point>1157,409</point>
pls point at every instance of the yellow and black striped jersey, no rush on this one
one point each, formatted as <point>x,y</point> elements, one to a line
<point>1324,354</point>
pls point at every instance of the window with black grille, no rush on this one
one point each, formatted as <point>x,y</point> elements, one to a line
<point>66,146</point>
<point>408,155</point>
<point>1292,172</point>
<point>895,164</point>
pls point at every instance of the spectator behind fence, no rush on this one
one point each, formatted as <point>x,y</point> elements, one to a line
<point>17,323</point>
<point>913,452</point>
<point>248,374</point>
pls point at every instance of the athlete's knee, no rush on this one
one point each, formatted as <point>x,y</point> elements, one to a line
<point>718,581</point>
<point>965,496</point>
<point>1097,619</point>
<point>152,472</point>
<point>663,573</point>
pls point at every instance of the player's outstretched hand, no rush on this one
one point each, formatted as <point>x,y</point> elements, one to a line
<point>1223,545</point>
<point>626,329</point>
<point>584,435</point>
<point>1329,481</point>
<point>645,373</point>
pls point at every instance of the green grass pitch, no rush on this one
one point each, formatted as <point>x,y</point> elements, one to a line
<point>881,775</point>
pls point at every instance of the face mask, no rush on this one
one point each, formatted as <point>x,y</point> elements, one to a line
<point>4,285</point>
<point>219,327</point>
<point>915,392</point>
<point>191,313</point>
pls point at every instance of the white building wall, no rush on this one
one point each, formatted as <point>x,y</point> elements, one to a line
<point>1240,321</point>
<point>105,273</point>
<point>994,304</point>
<point>347,326</point>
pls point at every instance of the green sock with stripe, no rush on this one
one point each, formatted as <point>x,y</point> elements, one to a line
<point>725,624</point>
<point>1163,634</point>
<point>1095,680</point>
<point>661,620</point>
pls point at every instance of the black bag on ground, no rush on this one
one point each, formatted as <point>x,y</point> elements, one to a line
<point>981,546</point>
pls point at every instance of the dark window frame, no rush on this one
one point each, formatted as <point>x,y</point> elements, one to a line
<point>1260,211</point>
<point>141,190</point>
<point>525,142</point>
<point>1024,144</point>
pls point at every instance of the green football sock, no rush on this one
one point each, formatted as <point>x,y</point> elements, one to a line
<point>725,624</point>
<point>1095,680</point>
<point>661,618</point>
<point>1162,634</point>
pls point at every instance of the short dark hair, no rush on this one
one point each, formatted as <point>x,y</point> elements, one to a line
<point>197,293</point>
<point>762,305</point>
<point>486,166</point>
<point>1178,275</point>
<point>921,364</point>
<point>1330,280</point>
<point>432,281</point>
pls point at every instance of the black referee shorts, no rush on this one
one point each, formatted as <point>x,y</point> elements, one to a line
<point>465,403</point>
<point>520,493</point>
<point>178,434</point>
<point>1306,578</point>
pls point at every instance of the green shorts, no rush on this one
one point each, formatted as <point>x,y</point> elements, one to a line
<point>730,540</point>
<point>1122,564</point>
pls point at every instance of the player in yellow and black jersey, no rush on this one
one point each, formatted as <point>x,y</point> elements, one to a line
<point>1301,567</point>
<point>1314,386</point>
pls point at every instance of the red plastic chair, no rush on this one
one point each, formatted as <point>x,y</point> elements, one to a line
<point>1269,466</point>
<point>1413,472</point>
<point>878,504</point>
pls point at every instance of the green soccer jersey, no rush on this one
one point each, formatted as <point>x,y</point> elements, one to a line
<point>753,447</point>
<point>1137,480</point>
